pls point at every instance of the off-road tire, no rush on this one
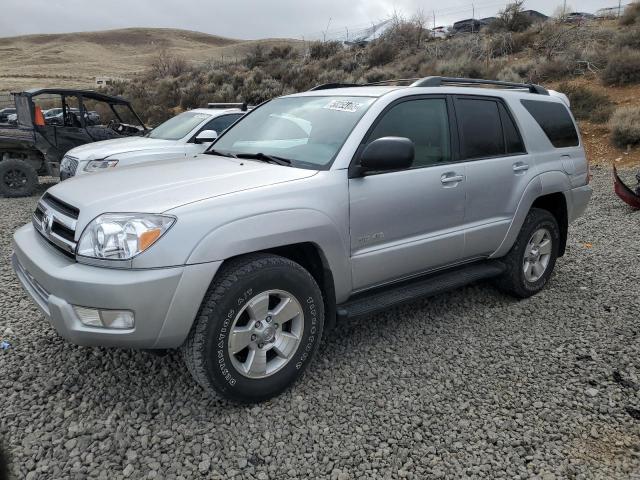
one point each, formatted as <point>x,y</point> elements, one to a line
<point>205,351</point>
<point>15,167</point>
<point>513,280</point>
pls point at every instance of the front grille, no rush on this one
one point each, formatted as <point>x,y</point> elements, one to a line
<point>56,221</point>
<point>61,206</point>
<point>68,167</point>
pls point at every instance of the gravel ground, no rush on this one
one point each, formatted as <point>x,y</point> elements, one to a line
<point>470,383</point>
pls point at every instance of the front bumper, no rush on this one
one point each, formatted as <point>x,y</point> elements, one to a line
<point>165,301</point>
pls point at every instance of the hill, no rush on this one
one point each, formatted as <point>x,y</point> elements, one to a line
<point>75,59</point>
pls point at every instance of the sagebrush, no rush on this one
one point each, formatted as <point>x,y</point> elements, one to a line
<point>625,126</point>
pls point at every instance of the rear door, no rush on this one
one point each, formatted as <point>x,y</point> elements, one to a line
<point>409,221</point>
<point>498,170</point>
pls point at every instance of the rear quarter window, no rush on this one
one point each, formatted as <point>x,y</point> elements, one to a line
<point>555,121</point>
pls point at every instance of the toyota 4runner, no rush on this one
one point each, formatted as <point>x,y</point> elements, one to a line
<point>336,202</point>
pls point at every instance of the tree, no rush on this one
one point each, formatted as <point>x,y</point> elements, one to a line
<point>562,11</point>
<point>512,18</point>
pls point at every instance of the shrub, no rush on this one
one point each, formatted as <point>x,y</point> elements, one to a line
<point>461,67</point>
<point>381,53</point>
<point>625,126</point>
<point>319,50</point>
<point>167,65</point>
<point>555,69</point>
<point>283,52</point>
<point>628,38</point>
<point>623,68</point>
<point>255,57</point>
<point>587,103</point>
<point>631,14</point>
<point>517,72</point>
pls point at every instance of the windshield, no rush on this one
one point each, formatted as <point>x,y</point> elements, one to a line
<point>177,127</point>
<point>309,131</point>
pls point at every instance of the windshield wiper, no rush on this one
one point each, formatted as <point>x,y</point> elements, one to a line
<point>263,157</point>
<point>222,154</point>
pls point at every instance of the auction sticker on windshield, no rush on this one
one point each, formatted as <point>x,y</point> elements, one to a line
<point>343,106</point>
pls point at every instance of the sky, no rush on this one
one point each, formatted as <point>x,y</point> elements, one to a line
<point>247,19</point>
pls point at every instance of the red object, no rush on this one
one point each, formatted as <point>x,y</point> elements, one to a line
<point>627,195</point>
<point>39,120</point>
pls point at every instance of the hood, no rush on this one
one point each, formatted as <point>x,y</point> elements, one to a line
<point>109,148</point>
<point>156,187</point>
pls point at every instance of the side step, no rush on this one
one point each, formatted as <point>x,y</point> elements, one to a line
<point>434,284</point>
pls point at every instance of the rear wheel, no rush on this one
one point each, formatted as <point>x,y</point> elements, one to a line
<point>533,257</point>
<point>258,328</point>
<point>17,178</point>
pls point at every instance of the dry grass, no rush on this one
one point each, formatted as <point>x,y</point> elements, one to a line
<point>48,60</point>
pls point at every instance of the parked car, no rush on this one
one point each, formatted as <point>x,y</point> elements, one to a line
<point>579,17</point>
<point>336,202</point>
<point>39,140</point>
<point>470,25</point>
<point>611,12</point>
<point>12,119</point>
<point>441,32</point>
<point>4,114</point>
<point>184,135</point>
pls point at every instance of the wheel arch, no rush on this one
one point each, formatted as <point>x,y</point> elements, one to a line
<point>311,257</point>
<point>545,191</point>
<point>556,204</point>
<point>308,237</point>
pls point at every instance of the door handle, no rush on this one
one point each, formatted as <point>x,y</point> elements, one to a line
<point>520,167</point>
<point>451,177</point>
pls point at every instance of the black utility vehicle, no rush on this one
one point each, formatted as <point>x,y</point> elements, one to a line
<point>37,144</point>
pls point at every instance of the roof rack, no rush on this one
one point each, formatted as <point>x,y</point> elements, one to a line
<point>439,82</point>
<point>242,106</point>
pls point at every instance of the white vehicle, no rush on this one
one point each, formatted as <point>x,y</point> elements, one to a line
<point>440,32</point>
<point>182,136</point>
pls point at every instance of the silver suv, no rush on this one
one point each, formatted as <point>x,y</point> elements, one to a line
<point>327,204</point>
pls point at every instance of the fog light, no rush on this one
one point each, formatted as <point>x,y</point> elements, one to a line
<point>116,319</point>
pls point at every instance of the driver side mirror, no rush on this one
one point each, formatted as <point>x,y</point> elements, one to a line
<point>385,154</point>
<point>206,136</point>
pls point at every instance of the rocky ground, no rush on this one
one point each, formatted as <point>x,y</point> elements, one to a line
<point>471,383</point>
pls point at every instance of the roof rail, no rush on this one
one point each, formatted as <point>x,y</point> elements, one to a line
<point>242,106</point>
<point>440,81</point>
<point>329,86</point>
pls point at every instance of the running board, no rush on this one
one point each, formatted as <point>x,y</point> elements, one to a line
<point>434,284</point>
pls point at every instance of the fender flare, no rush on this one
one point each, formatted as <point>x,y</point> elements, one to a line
<point>278,229</point>
<point>554,181</point>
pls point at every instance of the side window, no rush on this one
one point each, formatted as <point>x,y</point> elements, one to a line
<point>425,122</point>
<point>480,128</point>
<point>555,121</point>
<point>511,135</point>
<point>220,124</point>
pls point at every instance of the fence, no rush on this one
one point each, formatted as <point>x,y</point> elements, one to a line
<point>6,100</point>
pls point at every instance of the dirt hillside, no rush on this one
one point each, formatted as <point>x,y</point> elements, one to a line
<point>75,59</point>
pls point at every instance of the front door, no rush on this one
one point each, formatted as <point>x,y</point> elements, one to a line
<point>410,221</point>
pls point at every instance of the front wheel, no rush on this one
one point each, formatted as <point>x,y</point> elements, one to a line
<point>258,328</point>
<point>17,178</point>
<point>532,258</point>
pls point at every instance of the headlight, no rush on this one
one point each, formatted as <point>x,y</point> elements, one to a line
<point>97,165</point>
<point>122,236</point>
